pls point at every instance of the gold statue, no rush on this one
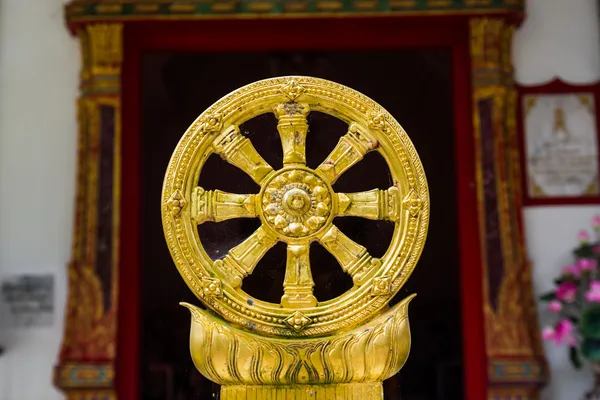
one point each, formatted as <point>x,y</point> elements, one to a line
<point>302,348</point>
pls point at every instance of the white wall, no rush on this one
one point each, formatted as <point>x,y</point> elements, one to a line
<point>559,38</point>
<point>39,65</point>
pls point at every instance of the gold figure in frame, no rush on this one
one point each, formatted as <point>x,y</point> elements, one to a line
<point>301,348</point>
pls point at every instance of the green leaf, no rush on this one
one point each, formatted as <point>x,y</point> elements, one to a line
<point>586,250</point>
<point>567,278</point>
<point>574,356</point>
<point>548,296</point>
<point>560,280</point>
<point>590,348</point>
<point>590,322</point>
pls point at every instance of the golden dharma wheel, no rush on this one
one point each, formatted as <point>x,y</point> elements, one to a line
<point>296,205</point>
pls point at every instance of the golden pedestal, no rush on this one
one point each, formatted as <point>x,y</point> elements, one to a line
<point>301,348</point>
<point>349,365</point>
<point>349,391</point>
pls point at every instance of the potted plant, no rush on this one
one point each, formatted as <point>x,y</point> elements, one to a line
<point>576,304</point>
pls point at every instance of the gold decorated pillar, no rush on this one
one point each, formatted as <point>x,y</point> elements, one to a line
<point>86,365</point>
<point>516,368</point>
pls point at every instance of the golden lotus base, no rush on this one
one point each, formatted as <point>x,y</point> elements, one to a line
<point>349,391</point>
<point>347,366</point>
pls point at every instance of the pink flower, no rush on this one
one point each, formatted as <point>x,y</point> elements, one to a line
<point>566,292</point>
<point>548,333</point>
<point>564,332</point>
<point>596,249</point>
<point>561,333</point>
<point>583,236</point>
<point>593,295</point>
<point>587,264</point>
<point>573,270</point>
<point>596,222</point>
<point>555,306</point>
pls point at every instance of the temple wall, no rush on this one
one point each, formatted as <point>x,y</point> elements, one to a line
<point>559,38</point>
<point>39,64</point>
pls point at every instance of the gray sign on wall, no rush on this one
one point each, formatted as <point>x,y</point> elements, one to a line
<point>27,301</point>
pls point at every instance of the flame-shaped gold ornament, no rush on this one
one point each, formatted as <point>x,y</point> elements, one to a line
<point>302,348</point>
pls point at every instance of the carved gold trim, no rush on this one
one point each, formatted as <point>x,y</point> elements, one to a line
<point>89,11</point>
<point>84,375</point>
<point>439,3</point>
<point>90,329</point>
<point>182,8</point>
<point>102,55</point>
<point>109,8</point>
<point>477,3</point>
<point>511,327</point>
<point>91,394</point>
<point>85,293</point>
<point>403,3</point>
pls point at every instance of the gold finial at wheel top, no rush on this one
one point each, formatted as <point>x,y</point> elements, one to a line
<point>296,205</point>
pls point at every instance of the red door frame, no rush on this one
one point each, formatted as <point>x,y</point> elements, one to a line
<point>313,34</point>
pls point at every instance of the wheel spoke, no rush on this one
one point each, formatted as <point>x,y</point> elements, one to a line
<point>242,259</point>
<point>292,128</point>
<point>353,258</point>
<point>350,149</point>
<point>298,283</point>
<point>233,147</point>
<point>216,205</point>
<point>372,204</point>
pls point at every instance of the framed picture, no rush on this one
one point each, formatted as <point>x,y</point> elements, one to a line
<point>559,138</point>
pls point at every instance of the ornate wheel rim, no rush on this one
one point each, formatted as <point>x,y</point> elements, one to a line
<point>295,205</point>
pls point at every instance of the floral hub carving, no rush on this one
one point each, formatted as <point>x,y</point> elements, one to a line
<point>296,203</point>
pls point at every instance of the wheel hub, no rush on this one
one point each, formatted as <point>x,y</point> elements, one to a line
<point>296,203</point>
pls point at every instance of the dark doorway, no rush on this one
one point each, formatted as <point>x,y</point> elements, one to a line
<point>415,86</point>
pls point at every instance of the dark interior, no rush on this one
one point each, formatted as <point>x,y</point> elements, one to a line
<point>415,86</point>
